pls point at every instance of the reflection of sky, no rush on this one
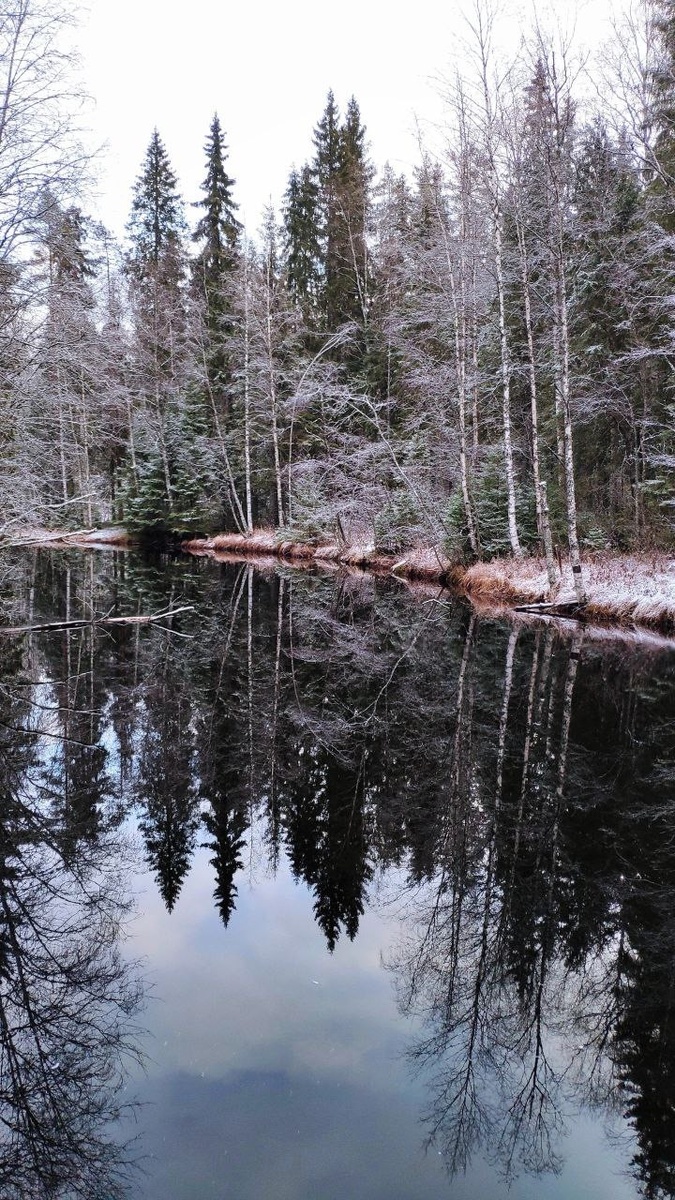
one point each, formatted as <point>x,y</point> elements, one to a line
<point>276,1068</point>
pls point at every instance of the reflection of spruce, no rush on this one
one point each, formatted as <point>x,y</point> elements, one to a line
<point>169,827</point>
<point>167,792</point>
<point>67,997</point>
<point>226,826</point>
<point>327,847</point>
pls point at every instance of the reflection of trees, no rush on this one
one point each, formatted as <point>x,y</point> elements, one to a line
<point>67,999</point>
<point>541,961</point>
<point>522,781</point>
<point>65,1002</point>
<point>165,782</point>
<point>327,845</point>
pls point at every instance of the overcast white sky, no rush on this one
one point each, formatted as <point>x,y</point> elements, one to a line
<point>266,66</point>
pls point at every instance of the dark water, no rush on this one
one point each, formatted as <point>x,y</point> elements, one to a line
<point>320,890</point>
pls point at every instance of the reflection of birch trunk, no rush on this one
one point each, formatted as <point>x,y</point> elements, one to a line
<point>533,1109</point>
<point>237,593</point>
<point>274,804</point>
<point>462,1102</point>
<point>460,785</point>
<point>533,717</point>
<point>451,879</point>
<point>460,724</point>
<point>504,717</point>
<point>570,677</point>
<point>249,694</point>
<point>501,745</point>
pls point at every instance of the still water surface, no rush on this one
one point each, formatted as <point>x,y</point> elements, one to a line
<point>322,890</point>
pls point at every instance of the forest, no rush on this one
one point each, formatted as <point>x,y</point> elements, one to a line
<point>477,358</point>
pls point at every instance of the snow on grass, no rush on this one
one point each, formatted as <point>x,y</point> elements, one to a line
<point>627,589</point>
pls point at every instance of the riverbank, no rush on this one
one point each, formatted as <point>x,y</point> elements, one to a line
<point>627,591</point>
<point>630,590</point>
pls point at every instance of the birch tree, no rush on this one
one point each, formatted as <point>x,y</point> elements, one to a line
<point>494,185</point>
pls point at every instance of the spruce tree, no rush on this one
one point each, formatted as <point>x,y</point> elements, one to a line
<point>156,265</point>
<point>343,177</point>
<point>218,232</point>
<point>302,253</point>
<point>156,223</point>
<point>355,178</point>
<point>326,212</point>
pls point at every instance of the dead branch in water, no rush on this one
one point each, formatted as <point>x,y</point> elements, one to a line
<point>84,622</point>
<point>560,608</point>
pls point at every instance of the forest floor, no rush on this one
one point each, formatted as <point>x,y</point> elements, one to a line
<point>627,590</point>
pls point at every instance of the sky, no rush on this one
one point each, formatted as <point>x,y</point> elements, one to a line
<point>265,67</point>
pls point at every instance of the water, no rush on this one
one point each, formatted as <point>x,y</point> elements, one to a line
<point>320,889</point>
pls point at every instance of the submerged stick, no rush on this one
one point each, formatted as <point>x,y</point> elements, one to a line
<point>553,608</point>
<point>83,623</point>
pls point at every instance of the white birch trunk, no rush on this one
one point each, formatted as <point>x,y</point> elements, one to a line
<point>247,404</point>
<point>543,522</point>
<point>516,548</point>
<point>273,398</point>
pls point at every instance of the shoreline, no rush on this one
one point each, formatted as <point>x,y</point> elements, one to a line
<point>628,591</point>
<point>625,591</point>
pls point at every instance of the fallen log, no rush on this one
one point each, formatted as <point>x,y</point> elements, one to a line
<point>84,622</point>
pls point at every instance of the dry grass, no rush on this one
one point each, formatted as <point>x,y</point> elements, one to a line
<point>358,554</point>
<point>506,581</point>
<point>424,563</point>
<point>262,541</point>
<point>331,552</point>
<point>628,590</point>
